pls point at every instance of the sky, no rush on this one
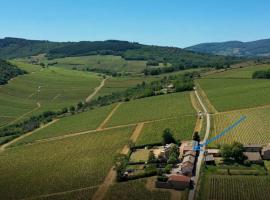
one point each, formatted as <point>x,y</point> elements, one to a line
<point>180,23</point>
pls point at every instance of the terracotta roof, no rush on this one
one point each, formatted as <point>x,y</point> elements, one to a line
<point>179,178</point>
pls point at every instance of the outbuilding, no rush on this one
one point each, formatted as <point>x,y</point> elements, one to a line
<point>253,148</point>
<point>266,152</point>
<point>254,157</point>
<point>179,182</point>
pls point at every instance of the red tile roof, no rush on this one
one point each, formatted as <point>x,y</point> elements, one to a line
<point>179,178</point>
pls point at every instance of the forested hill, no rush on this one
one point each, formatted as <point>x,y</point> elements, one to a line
<point>16,47</point>
<point>134,51</point>
<point>259,48</point>
<point>8,71</point>
<point>178,58</point>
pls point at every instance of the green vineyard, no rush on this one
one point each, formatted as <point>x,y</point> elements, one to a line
<point>236,188</point>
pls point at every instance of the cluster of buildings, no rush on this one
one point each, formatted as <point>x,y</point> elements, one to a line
<point>255,153</point>
<point>180,177</point>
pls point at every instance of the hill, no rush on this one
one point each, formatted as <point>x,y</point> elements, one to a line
<point>178,58</point>
<point>8,71</point>
<point>259,48</point>
<point>17,47</point>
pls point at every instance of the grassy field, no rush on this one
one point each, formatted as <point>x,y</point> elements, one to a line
<point>77,123</point>
<point>58,166</point>
<point>116,84</point>
<point>255,129</point>
<point>152,108</point>
<point>134,190</point>
<point>109,62</point>
<point>235,188</point>
<point>58,88</point>
<point>182,128</point>
<point>231,94</point>
<point>245,72</point>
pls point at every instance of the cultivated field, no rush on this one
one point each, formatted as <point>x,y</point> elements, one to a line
<point>153,108</point>
<point>108,62</point>
<point>52,88</point>
<point>135,190</point>
<point>182,127</point>
<point>59,166</point>
<point>255,129</point>
<point>85,121</point>
<point>236,188</point>
<point>231,94</point>
<point>245,72</point>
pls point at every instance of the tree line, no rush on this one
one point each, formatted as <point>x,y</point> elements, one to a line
<point>9,71</point>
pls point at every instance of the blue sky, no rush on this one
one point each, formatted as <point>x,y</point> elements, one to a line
<point>163,22</point>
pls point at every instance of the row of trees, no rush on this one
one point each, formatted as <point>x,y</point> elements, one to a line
<point>263,74</point>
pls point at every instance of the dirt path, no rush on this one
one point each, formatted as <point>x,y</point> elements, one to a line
<point>25,114</point>
<point>201,156</point>
<point>101,126</point>
<point>60,193</point>
<point>4,146</point>
<point>110,178</point>
<point>93,131</point>
<point>206,101</point>
<point>97,89</point>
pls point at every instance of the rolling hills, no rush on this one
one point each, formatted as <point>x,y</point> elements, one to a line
<point>259,48</point>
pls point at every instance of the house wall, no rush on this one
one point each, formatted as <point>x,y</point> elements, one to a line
<point>266,155</point>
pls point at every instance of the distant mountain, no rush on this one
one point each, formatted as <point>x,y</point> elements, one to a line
<point>259,48</point>
<point>180,58</point>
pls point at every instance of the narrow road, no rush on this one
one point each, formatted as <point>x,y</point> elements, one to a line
<point>111,176</point>
<point>97,89</point>
<point>4,146</point>
<point>201,156</point>
<point>101,126</point>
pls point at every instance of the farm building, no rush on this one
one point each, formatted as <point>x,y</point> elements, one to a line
<point>179,182</point>
<point>209,159</point>
<point>266,152</point>
<point>190,153</point>
<point>189,159</point>
<point>214,152</point>
<point>187,146</point>
<point>254,157</point>
<point>187,169</point>
<point>253,148</point>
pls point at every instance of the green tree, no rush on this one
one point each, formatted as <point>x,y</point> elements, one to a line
<point>226,152</point>
<point>196,136</point>
<point>168,136</point>
<point>72,109</point>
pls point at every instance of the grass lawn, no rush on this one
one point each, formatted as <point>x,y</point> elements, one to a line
<point>255,129</point>
<point>140,155</point>
<point>134,190</point>
<point>58,166</point>
<point>182,128</point>
<point>108,62</point>
<point>152,108</point>
<point>267,165</point>
<point>232,94</point>
<point>85,121</point>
